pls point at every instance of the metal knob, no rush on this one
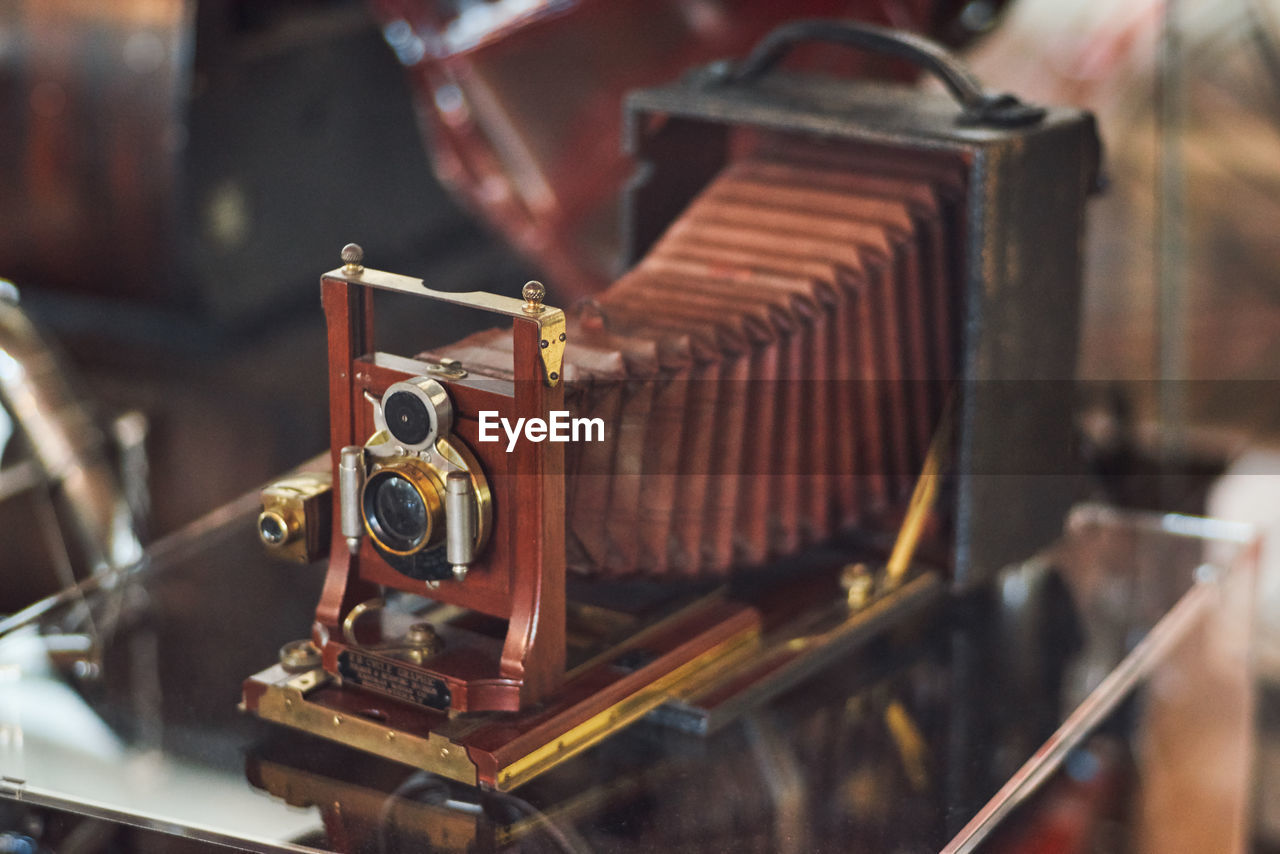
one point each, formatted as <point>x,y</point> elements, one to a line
<point>533,293</point>
<point>299,656</point>
<point>352,258</point>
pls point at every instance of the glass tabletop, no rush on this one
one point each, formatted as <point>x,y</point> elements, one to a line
<point>119,700</point>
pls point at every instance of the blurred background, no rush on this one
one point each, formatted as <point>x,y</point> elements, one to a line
<point>175,174</point>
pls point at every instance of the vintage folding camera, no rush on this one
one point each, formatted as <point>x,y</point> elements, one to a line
<point>834,289</point>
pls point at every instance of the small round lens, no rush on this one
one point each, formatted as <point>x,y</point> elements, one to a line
<point>407,418</point>
<point>398,512</point>
<point>272,529</point>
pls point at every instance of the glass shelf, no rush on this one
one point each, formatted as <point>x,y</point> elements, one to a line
<point>118,700</point>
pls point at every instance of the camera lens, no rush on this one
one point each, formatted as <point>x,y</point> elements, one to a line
<point>272,528</point>
<point>397,512</point>
<point>407,418</point>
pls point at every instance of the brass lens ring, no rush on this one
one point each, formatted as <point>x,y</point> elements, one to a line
<point>460,455</point>
<point>402,506</point>
<point>274,529</point>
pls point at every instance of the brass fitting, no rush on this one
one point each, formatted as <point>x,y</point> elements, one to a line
<point>297,516</point>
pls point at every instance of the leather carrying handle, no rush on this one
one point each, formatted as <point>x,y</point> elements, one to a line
<point>978,107</point>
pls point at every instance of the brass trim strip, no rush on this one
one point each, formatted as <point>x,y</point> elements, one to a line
<point>551,321</point>
<point>857,619</point>
<point>646,698</point>
<point>923,497</point>
<point>809,652</point>
<point>287,704</point>
<point>641,635</point>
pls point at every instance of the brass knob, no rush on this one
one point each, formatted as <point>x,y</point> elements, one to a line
<point>859,584</point>
<point>533,293</point>
<point>352,259</point>
<point>422,642</point>
<point>299,656</point>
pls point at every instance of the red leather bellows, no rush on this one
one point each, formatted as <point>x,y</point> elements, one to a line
<point>769,373</point>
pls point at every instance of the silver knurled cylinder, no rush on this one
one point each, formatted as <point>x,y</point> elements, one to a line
<point>460,519</point>
<point>350,481</point>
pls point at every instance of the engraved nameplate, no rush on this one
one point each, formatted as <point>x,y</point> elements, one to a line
<point>393,679</point>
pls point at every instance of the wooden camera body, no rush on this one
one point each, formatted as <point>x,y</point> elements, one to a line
<point>516,568</point>
<point>836,266</point>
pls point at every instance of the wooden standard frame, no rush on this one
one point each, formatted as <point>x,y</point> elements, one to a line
<point>523,580</point>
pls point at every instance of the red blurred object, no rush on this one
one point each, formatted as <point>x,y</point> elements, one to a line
<point>522,99</point>
<point>1073,813</point>
<point>92,138</point>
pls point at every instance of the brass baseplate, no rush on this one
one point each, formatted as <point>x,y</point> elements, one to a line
<point>716,671</point>
<point>285,701</point>
<point>505,750</point>
<point>707,663</point>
